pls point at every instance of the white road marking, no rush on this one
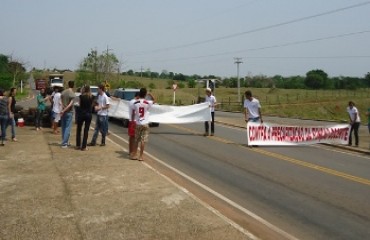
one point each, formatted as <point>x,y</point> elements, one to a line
<point>218,195</point>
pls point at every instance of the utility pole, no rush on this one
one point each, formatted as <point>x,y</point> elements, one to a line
<point>107,67</point>
<point>238,61</point>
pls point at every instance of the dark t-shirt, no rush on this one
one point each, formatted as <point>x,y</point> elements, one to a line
<point>86,103</point>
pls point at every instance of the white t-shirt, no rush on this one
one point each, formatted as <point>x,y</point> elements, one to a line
<point>141,107</point>
<point>212,101</point>
<point>352,112</point>
<point>103,101</point>
<point>252,107</point>
<point>57,103</point>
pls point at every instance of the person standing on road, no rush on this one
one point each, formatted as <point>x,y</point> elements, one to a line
<point>41,99</point>
<point>84,117</point>
<point>4,116</point>
<point>12,103</point>
<point>252,108</point>
<point>141,115</point>
<point>131,125</point>
<point>57,109</point>
<point>354,120</point>
<point>212,103</point>
<point>67,97</point>
<point>101,108</point>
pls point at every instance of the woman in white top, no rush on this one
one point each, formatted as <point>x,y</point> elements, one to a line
<point>57,109</point>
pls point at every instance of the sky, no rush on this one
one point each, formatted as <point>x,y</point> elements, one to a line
<point>204,37</point>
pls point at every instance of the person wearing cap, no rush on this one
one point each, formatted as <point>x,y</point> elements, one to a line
<point>212,103</point>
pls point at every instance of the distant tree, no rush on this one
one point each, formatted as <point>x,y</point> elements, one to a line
<point>367,79</point>
<point>164,74</point>
<point>101,66</point>
<point>4,61</point>
<point>192,83</point>
<point>316,79</point>
<point>154,75</point>
<point>179,77</point>
<point>130,72</point>
<point>18,72</point>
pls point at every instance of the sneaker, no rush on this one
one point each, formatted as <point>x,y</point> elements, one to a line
<point>64,146</point>
<point>14,139</point>
<point>102,145</point>
<point>84,149</point>
<point>206,134</point>
<point>91,144</point>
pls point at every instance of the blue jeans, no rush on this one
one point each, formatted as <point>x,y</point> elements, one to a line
<point>39,116</point>
<point>101,126</point>
<point>3,123</point>
<point>66,121</point>
<point>12,124</point>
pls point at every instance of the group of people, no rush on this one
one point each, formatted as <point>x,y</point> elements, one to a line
<point>252,113</point>
<point>65,104</point>
<point>252,110</point>
<point>7,114</point>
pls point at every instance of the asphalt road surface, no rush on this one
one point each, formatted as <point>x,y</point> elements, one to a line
<point>309,192</point>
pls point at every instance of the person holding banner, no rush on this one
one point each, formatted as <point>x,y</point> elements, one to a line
<point>132,125</point>
<point>252,108</point>
<point>212,103</point>
<point>354,120</point>
<point>141,115</point>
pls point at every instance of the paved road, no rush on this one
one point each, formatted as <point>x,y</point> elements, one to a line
<point>310,192</point>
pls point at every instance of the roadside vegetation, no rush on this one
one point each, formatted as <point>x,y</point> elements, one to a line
<point>314,96</point>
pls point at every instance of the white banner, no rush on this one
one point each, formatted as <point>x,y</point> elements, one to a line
<point>164,113</point>
<point>269,134</point>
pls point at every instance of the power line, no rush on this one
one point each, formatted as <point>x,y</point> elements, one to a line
<point>267,47</point>
<point>257,29</point>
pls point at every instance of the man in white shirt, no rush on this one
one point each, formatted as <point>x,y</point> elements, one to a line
<point>212,103</point>
<point>354,120</point>
<point>140,113</point>
<point>252,108</point>
<point>101,125</point>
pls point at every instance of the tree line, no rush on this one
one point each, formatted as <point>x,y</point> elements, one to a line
<point>11,72</point>
<point>98,67</point>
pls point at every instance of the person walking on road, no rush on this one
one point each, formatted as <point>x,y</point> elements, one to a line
<point>354,121</point>
<point>140,112</point>
<point>12,103</point>
<point>101,108</point>
<point>84,117</point>
<point>41,99</point>
<point>4,116</point>
<point>211,99</point>
<point>252,108</point>
<point>67,97</point>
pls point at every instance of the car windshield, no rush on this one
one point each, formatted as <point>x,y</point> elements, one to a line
<point>129,95</point>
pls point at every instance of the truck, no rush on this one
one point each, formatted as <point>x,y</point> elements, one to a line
<point>56,80</point>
